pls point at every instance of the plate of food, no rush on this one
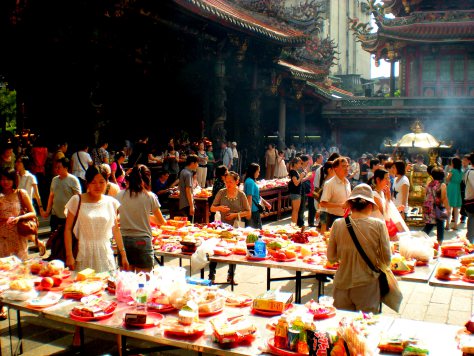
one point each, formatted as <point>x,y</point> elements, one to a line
<point>282,352</point>
<point>323,313</point>
<point>238,300</point>
<point>161,308</point>
<point>152,320</point>
<point>173,327</point>
<point>77,315</point>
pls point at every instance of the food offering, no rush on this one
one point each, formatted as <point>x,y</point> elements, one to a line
<point>187,324</point>
<point>272,302</point>
<point>446,272</point>
<point>465,337</point>
<point>78,290</point>
<point>159,301</point>
<point>210,300</point>
<point>456,247</point>
<point>320,310</point>
<point>237,329</point>
<point>93,308</point>
<point>20,288</point>
<point>400,265</point>
<point>9,263</point>
<point>238,300</point>
<point>283,254</point>
<point>142,320</point>
<point>398,344</point>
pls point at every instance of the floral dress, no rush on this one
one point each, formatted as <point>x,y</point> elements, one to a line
<point>433,197</point>
<point>11,243</point>
<point>93,230</point>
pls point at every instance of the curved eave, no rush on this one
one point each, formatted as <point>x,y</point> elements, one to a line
<point>430,32</point>
<point>230,16</point>
<point>304,72</point>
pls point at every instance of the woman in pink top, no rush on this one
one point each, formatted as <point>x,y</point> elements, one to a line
<point>118,173</point>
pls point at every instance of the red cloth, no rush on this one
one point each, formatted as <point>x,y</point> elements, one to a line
<point>38,157</point>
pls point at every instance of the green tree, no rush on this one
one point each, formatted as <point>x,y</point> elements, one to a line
<point>7,108</point>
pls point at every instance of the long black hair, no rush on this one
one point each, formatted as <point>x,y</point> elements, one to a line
<point>138,179</point>
<point>251,169</point>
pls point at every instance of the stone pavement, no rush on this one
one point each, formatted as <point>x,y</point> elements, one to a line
<point>421,302</point>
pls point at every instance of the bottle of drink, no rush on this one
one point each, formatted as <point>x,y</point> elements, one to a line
<point>296,327</point>
<point>281,333</point>
<point>141,299</point>
<point>260,248</point>
<point>302,346</point>
<point>217,216</point>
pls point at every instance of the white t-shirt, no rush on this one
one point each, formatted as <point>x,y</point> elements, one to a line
<point>469,181</point>
<point>336,191</point>
<point>397,192</point>
<point>27,181</point>
<point>85,159</point>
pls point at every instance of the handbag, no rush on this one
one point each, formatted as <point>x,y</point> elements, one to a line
<point>260,206</point>
<point>56,240</point>
<point>317,193</point>
<point>26,227</point>
<point>390,292</point>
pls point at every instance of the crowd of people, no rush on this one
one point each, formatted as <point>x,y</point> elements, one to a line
<point>89,193</point>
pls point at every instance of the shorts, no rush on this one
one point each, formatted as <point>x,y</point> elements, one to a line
<point>139,251</point>
<point>295,196</point>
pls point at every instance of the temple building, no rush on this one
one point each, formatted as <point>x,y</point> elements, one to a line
<point>432,41</point>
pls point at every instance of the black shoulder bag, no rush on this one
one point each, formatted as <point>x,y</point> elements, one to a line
<point>260,207</point>
<point>383,282</point>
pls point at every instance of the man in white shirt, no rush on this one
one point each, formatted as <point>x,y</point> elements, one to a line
<point>336,191</point>
<point>80,161</point>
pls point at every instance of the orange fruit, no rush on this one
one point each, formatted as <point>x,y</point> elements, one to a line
<point>290,254</point>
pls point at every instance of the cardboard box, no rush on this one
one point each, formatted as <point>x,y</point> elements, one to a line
<point>273,301</point>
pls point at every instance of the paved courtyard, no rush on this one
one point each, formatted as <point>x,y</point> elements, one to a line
<point>421,302</point>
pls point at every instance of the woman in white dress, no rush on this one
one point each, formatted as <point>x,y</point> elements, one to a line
<point>401,187</point>
<point>96,224</point>
<point>280,170</point>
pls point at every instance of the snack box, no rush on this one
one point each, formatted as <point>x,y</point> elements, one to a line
<point>273,301</point>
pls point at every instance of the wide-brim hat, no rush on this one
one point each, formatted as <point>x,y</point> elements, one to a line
<point>363,191</point>
<point>234,143</point>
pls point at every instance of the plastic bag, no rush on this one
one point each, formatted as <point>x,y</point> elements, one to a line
<point>199,258</point>
<point>126,284</point>
<point>394,215</point>
<point>416,245</point>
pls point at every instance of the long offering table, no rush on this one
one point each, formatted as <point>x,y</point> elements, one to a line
<point>443,344</point>
<point>298,267</point>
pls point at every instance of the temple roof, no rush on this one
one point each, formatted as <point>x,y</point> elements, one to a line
<point>233,16</point>
<point>329,91</point>
<point>418,27</point>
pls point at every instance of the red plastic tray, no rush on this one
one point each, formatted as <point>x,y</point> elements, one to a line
<point>268,312</point>
<point>284,260</point>
<point>277,351</point>
<point>449,279</point>
<point>402,273</point>
<point>153,319</point>
<point>178,333</point>
<point>468,280</point>
<point>90,318</point>
<point>252,258</point>
<point>211,313</point>
<point>331,311</point>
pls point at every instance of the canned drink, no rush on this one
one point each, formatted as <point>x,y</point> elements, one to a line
<point>293,339</point>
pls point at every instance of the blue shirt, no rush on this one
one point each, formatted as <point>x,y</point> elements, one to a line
<point>251,188</point>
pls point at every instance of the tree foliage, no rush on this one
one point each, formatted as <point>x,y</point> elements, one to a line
<point>7,107</point>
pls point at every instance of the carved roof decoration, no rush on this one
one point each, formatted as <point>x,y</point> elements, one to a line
<point>231,14</point>
<point>328,91</point>
<point>448,26</point>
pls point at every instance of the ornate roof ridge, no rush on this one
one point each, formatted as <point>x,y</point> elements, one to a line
<point>232,15</point>
<point>305,71</point>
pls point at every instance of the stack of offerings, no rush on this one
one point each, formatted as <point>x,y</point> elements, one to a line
<point>273,301</point>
